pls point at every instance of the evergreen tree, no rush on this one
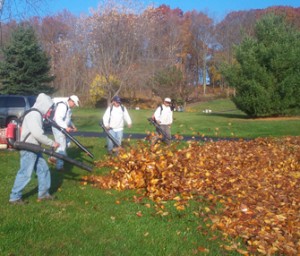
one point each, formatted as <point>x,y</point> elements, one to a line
<point>25,66</point>
<point>266,75</point>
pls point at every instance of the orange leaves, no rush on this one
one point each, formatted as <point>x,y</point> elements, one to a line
<point>257,182</point>
<point>202,249</point>
<point>139,214</point>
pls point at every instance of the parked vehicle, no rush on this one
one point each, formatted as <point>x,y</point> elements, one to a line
<point>13,106</point>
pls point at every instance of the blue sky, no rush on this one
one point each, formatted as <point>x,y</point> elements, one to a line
<point>216,9</point>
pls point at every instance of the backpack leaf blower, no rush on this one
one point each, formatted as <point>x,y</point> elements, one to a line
<point>11,132</point>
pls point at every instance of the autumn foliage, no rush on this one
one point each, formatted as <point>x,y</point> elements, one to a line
<point>257,182</point>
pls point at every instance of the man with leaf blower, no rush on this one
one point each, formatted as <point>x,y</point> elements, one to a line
<point>163,119</point>
<point>113,123</point>
<point>62,117</point>
<point>32,132</point>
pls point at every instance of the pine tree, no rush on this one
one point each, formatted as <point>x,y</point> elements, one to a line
<point>25,66</point>
<point>266,75</point>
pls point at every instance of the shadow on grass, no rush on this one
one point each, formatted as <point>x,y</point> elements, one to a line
<point>69,174</point>
<point>57,177</point>
<point>227,115</point>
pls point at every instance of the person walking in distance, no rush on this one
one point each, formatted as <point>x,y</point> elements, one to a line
<point>32,132</point>
<point>113,119</point>
<point>63,117</point>
<point>163,116</point>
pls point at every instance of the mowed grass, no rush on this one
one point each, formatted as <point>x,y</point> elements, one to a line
<point>225,120</point>
<point>89,221</point>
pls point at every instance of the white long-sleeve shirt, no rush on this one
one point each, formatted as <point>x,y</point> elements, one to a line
<point>114,117</point>
<point>164,115</point>
<point>63,114</point>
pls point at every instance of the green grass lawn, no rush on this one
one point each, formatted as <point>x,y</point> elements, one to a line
<point>89,221</point>
<point>224,121</point>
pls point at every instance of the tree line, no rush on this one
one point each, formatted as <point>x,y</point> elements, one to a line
<point>148,52</point>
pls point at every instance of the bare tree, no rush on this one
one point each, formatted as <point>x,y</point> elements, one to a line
<point>163,47</point>
<point>201,28</point>
<point>21,9</point>
<point>113,43</point>
<point>63,42</point>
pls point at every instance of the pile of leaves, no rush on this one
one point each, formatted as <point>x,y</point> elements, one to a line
<point>257,182</point>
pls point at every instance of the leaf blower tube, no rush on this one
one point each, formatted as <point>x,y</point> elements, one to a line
<point>11,134</point>
<point>157,127</point>
<point>106,131</point>
<point>54,124</point>
<point>37,149</point>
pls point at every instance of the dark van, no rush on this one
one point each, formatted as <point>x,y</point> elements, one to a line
<point>13,106</point>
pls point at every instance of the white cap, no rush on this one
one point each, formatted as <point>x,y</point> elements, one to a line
<point>75,99</point>
<point>168,100</point>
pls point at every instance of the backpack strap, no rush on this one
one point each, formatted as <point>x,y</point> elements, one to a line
<point>66,110</point>
<point>23,116</point>
<point>111,108</point>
